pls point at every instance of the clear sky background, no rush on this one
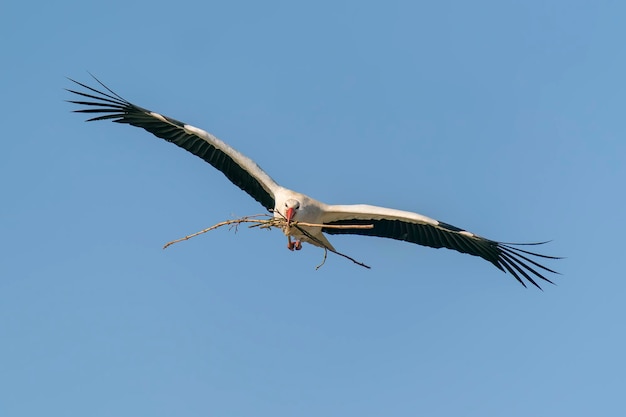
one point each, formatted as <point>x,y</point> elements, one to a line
<point>502,117</point>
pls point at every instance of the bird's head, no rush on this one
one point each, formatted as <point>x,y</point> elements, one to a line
<point>291,208</point>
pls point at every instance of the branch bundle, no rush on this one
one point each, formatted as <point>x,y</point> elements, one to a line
<point>265,221</point>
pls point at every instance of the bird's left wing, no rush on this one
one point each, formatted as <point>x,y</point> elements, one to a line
<point>238,168</point>
<point>422,230</point>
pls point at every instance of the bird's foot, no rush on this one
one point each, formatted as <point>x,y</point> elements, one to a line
<point>297,245</point>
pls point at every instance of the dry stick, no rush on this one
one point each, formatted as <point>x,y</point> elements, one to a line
<point>235,222</point>
<point>313,238</point>
<point>277,222</point>
<point>323,259</point>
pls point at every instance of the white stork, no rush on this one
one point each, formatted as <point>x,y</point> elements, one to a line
<point>297,207</point>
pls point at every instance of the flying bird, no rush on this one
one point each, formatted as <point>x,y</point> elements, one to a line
<point>294,207</point>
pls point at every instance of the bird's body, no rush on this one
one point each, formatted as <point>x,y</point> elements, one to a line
<point>297,208</point>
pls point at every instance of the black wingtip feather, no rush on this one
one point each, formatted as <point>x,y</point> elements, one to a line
<point>510,257</point>
<point>519,269</point>
<point>512,272</point>
<point>512,250</point>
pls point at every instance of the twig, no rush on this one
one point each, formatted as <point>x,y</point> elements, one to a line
<point>323,259</point>
<point>235,222</point>
<point>268,222</point>
<point>333,226</point>
<point>316,240</point>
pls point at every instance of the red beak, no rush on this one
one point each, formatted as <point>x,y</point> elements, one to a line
<point>289,214</point>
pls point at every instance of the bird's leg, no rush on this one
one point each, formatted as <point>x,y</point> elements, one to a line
<point>297,245</point>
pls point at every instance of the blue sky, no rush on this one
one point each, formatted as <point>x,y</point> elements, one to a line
<point>501,117</point>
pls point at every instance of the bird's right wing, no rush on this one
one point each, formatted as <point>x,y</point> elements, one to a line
<point>238,168</point>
